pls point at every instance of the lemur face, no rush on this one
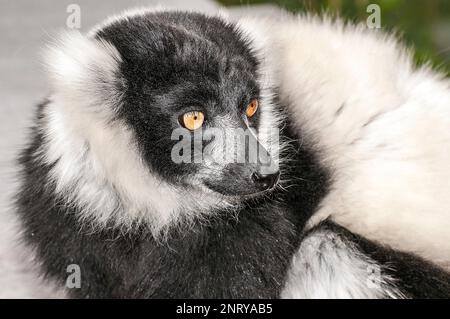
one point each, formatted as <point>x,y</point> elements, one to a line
<point>192,97</point>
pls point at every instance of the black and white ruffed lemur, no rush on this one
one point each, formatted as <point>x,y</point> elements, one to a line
<point>363,145</point>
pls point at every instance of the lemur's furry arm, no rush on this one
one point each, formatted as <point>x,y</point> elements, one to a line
<point>332,262</point>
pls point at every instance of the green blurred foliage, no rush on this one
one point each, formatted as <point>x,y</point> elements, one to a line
<point>423,24</point>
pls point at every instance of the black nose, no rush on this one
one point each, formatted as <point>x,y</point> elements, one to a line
<point>265,181</point>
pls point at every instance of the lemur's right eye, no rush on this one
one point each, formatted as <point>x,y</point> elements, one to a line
<point>192,120</point>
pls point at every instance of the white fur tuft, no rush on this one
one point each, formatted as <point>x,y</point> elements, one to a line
<point>85,71</point>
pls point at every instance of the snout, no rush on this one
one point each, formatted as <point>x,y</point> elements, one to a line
<point>265,181</point>
<point>242,179</point>
<point>253,172</point>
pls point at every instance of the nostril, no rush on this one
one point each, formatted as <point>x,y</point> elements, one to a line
<point>265,181</point>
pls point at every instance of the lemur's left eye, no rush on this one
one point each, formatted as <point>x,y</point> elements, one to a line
<point>192,120</point>
<point>252,107</point>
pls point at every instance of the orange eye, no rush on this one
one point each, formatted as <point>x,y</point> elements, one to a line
<point>252,108</point>
<point>192,120</point>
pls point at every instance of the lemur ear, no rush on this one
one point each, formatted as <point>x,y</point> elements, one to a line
<point>84,70</point>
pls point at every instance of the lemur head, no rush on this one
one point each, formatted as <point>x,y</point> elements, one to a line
<point>170,114</point>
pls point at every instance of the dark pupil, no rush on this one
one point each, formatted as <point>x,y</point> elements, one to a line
<point>195,118</point>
